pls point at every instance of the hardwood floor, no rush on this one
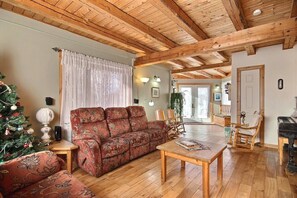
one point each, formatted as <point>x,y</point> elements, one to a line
<point>246,174</point>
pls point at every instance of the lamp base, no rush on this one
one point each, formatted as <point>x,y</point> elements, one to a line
<point>46,138</point>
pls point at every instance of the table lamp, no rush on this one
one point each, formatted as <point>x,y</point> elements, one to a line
<point>45,116</point>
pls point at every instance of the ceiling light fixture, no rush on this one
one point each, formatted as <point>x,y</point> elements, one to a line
<point>257,12</point>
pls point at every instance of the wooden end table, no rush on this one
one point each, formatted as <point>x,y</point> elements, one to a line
<point>64,147</point>
<point>199,157</point>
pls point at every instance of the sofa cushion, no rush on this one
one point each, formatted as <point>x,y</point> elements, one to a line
<point>137,118</point>
<point>98,128</point>
<point>136,138</point>
<point>88,115</point>
<point>61,184</point>
<point>114,146</point>
<point>136,111</point>
<point>114,113</point>
<point>117,120</point>
<point>155,134</point>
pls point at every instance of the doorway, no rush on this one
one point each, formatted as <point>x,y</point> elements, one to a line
<point>250,93</point>
<point>196,103</point>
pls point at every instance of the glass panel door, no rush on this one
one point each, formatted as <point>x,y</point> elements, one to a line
<point>196,104</point>
<point>202,104</point>
<point>187,110</point>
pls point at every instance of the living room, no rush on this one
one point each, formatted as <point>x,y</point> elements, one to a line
<point>29,62</point>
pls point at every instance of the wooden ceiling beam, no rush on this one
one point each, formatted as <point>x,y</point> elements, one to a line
<point>203,67</point>
<point>221,72</point>
<point>204,73</point>
<point>236,14</point>
<point>58,15</point>
<point>251,36</point>
<point>289,41</point>
<point>114,11</point>
<point>182,19</point>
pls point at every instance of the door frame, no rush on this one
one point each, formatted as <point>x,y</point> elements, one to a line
<point>261,68</point>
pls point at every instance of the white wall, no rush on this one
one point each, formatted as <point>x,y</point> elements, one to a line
<point>28,61</point>
<point>278,63</point>
<point>143,91</point>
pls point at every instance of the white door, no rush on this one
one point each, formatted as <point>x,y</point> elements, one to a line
<point>250,93</point>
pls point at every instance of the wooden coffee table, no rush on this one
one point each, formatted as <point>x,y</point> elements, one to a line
<point>200,157</point>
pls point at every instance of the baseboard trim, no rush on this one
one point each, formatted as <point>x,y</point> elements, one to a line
<point>274,146</point>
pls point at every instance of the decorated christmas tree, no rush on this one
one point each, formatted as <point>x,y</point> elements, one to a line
<point>16,137</point>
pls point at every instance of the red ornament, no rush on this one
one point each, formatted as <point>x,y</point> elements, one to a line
<point>26,145</point>
<point>0,115</point>
<point>15,114</point>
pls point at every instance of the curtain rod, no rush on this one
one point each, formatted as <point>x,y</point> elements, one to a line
<point>56,49</point>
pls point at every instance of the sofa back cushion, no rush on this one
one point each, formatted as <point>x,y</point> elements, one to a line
<point>137,118</point>
<point>117,120</point>
<point>89,120</point>
<point>26,170</point>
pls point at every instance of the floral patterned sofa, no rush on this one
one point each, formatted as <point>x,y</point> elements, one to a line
<point>112,137</point>
<point>39,175</point>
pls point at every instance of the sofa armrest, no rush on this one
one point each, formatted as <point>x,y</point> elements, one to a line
<point>156,124</point>
<point>26,170</point>
<point>89,156</point>
<point>87,136</point>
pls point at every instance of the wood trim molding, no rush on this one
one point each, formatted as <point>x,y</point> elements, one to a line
<point>255,35</point>
<point>261,68</point>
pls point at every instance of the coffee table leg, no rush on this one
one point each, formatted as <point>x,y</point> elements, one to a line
<point>182,164</point>
<point>220,169</point>
<point>163,166</point>
<point>205,179</point>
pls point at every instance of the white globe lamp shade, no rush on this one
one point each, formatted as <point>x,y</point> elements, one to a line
<point>45,116</point>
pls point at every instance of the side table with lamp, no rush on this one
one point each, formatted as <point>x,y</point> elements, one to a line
<point>59,147</point>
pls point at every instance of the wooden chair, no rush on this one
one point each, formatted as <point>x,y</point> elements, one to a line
<point>245,135</point>
<point>176,122</point>
<point>160,115</point>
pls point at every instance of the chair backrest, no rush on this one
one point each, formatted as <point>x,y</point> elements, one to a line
<point>117,120</point>
<point>160,115</point>
<point>256,122</point>
<point>171,114</point>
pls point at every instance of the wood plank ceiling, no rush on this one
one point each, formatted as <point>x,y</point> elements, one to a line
<point>196,38</point>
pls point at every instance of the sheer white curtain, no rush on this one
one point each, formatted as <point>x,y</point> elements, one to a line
<point>92,82</point>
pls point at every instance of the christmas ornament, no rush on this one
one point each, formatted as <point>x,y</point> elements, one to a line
<point>30,145</point>
<point>15,114</point>
<point>30,131</point>
<point>7,132</point>
<point>13,107</point>
<point>20,128</point>
<point>26,145</point>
